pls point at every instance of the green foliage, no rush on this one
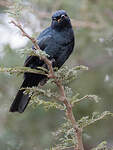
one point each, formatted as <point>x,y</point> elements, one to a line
<point>20,70</point>
<point>65,137</point>
<point>69,74</point>
<point>65,134</point>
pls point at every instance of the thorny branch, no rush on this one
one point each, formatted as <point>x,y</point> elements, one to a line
<point>69,112</point>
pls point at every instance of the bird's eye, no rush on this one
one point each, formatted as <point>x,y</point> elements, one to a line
<point>54,19</point>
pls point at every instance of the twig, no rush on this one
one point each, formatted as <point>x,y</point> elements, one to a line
<point>69,112</point>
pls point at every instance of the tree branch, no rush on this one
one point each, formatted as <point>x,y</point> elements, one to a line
<point>34,41</point>
<point>63,99</point>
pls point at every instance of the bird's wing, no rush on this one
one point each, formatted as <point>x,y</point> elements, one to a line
<point>44,37</point>
<point>42,40</point>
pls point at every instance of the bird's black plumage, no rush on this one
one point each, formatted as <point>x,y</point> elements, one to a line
<point>58,42</point>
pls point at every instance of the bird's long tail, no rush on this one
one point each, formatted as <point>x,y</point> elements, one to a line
<point>21,100</point>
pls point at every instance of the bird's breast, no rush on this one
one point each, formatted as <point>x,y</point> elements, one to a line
<point>63,38</point>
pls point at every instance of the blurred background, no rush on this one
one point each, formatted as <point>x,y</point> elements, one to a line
<point>93,26</point>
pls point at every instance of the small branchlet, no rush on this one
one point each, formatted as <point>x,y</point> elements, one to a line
<point>21,70</point>
<point>75,99</point>
<point>67,75</point>
<point>41,92</point>
<point>46,104</point>
<point>31,52</point>
<point>96,116</point>
<point>25,51</point>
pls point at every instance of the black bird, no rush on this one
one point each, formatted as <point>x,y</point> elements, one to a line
<point>58,42</point>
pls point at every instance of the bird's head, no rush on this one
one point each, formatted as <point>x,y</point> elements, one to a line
<point>60,20</point>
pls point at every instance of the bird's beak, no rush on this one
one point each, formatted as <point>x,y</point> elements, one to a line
<point>62,17</point>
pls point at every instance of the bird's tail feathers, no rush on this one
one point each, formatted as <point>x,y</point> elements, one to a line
<point>21,100</point>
